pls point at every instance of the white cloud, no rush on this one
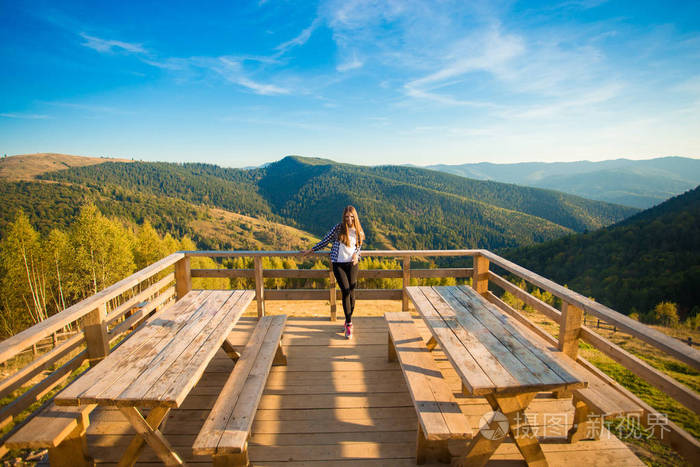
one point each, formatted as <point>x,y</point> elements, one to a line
<point>301,39</point>
<point>104,45</point>
<point>24,116</point>
<point>260,88</point>
<point>86,107</point>
<point>583,101</point>
<point>352,64</point>
<point>232,70</point>
<point>489,51</point>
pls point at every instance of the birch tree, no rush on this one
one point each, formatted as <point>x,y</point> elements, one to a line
<point>24,274</point>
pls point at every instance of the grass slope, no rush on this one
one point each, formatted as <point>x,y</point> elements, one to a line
<point>30,166</point>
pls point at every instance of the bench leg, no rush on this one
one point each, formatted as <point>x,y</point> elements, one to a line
<point>391,350</point>
<point>230,350</point>
<point>426,449</point>
<point>231,460</point>
<point>280,358</point>
<point>586,425</point>
<point>72,452</point>
<point>432,343</point>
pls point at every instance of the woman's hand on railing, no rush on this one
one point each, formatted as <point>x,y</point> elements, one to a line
<point>306,253</point>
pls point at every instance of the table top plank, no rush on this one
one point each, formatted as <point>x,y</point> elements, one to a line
<point>170,322</point>
<point>523,377</point>
<point>467,355</point>
<point>105,372</point>
<point>172,351</point>
<point>205,347</point>
<point>493,363</point>
<point>555,359</point>
<point>520,349</point>
<point>511,358</point>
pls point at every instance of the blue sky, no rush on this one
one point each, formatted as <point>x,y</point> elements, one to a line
<point>366,82</point>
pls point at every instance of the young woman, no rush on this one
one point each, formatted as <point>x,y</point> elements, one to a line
<point>347,238</point>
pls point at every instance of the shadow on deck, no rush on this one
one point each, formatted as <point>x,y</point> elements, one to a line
<point>340,402</point>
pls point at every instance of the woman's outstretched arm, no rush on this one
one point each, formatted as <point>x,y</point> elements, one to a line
<point>330,236</point>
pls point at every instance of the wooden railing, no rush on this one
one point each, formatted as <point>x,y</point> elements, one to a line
<point>110,314</point>
<point>331,294</point>
<point>102,319</point>
<point>572,330</point>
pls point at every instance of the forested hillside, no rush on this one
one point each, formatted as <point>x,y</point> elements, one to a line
<point>632,266</point>
<point>637,183</point>
<point>402,207</point>
<point>57,205</point>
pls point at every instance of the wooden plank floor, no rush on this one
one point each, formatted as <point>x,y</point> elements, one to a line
<point>340,403</point>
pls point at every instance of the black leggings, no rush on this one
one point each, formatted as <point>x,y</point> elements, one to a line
<point>346,276</point>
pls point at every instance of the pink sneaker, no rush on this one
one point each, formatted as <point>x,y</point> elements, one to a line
<point>348,331</point>
<point>345,329</point>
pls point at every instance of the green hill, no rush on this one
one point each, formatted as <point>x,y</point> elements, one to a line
<point>631,266</point>
<point>56,205</point>
<point>401,207</point>
<point>640,184</point>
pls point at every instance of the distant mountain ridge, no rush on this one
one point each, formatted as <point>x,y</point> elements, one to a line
<point>635,183</point>
<point>403,207</point>
<point>633,265</point>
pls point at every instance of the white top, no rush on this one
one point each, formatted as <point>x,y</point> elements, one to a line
<point>345,252</point>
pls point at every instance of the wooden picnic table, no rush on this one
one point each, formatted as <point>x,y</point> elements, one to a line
<point>496,358</point>
<point>158,366</point>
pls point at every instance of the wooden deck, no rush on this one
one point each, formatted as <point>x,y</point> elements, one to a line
<point>341,403</point>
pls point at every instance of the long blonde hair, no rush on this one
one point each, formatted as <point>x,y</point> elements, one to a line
<point>343,236</point>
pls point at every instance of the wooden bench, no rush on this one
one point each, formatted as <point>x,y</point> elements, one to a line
<point>595,404</point>
<point>61,430</point>
<point>225,433</point>
<point>439,416</point>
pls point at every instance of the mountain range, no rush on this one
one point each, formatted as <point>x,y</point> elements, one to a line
<point>627,259</point>
<point>636,183</point>
<point>403,207</point>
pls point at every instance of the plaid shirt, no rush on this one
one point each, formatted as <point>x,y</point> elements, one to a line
<point>334,236</point>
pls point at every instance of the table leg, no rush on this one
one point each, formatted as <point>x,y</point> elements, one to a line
<point>513,407</point>
<point>154,419</point>
<point>487,441</point>
<point>147,430</point>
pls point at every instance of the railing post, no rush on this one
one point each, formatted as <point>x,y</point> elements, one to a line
<point>570,329</point>
<point>406,282</point>
<point>480,280</point>
<point>332,298</point>
<point>259,285</point>
<point>183,277</point>
<point>95,330</point>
